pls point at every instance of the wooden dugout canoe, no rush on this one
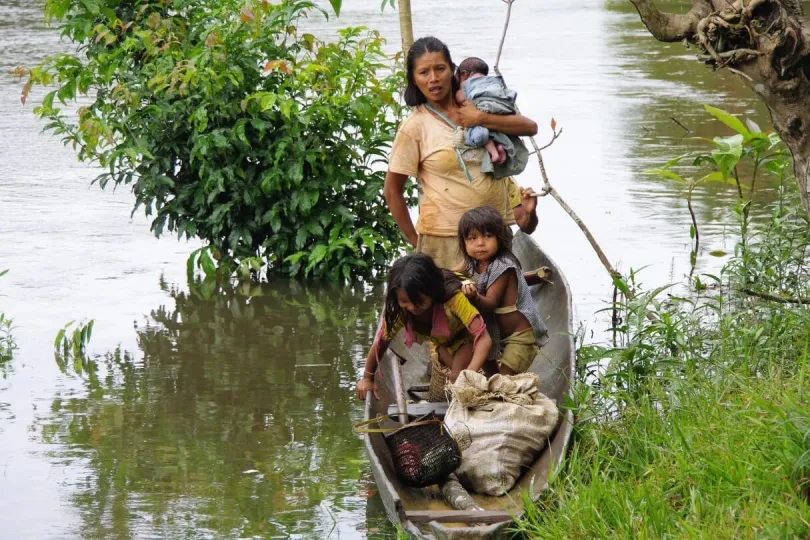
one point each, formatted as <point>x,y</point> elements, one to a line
<point>422,512</point>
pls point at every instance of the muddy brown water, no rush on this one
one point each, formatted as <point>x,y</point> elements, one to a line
<point>233,418</point>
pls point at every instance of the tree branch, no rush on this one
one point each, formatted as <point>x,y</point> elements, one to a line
<point>547,188</point>
<point>670,26</point>
<point>774,298</point>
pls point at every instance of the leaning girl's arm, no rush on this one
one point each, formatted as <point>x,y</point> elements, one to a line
<point>367,384</point>
<point>471,317</point>
<point>377,349</point>
<point>480,352</point>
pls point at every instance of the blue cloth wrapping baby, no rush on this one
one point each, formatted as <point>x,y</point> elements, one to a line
<point>490,94</point>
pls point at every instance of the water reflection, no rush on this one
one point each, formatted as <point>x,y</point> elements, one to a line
<point>235,421</point>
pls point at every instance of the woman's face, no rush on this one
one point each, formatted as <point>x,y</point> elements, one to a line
<point>433,76</point>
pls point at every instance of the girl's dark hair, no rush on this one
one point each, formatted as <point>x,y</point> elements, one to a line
<point>417,275</point>
<point>413,96</point>
<point>485,220</point>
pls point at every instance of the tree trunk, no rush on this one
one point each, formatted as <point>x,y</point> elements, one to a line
<point>766,43</point>
<point>405,25</point>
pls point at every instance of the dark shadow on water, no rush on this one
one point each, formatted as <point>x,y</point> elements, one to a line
<point>233,420</point>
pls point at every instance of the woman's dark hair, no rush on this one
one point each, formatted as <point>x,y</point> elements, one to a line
<point>417,275</point>
<point>485,220</point>
<point>413,96</point>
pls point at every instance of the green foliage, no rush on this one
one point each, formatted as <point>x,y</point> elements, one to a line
<point>231,126</point>
<point>71,344</point>
<point>696,424</point>
<point>749,149</point>
<point>776,259</point>
<point>7,343</point>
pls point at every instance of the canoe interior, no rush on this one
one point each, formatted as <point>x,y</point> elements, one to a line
<point>555,367</point>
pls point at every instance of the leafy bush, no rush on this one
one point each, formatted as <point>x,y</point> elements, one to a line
<point>71,343</point>
<point>231,126</point>
<point>7,344</point>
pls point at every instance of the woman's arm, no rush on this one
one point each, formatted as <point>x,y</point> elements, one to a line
<point>525,221</point>
<point>509,124</point>
<point>394,193</point>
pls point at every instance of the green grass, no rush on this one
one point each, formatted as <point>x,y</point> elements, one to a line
<point>721,458</point>
<point>698,427</point>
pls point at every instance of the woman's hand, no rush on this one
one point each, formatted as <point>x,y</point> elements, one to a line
<point>528,200</point>
<point>364,386</point>
<point>470,291</point>
<point>469,115</point>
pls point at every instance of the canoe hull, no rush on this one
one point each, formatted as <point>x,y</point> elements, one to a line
<point>555,368</point>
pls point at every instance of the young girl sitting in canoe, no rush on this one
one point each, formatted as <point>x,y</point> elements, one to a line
<point>500,291</point>
<point>428,304</point>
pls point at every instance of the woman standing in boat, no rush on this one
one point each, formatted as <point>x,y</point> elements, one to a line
<point>451,182</point>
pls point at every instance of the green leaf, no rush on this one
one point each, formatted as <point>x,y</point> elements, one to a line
<point>727,152</point>
<point>239,130</point>
<point>207,263</point>
<point>718,253</point>
<point>318,253</point>
<point>728,119</point>
<point>752,126</point>
<point>716,176</point>
<point>190,263</point>
<point>301,237</point>
<point>621,284</point>
<point>668,174</point>
<point>59,336</point>
<point>296,257</point>
<point>692,232</point>
<point>336,4</point>
<point>92,6</point>
<point>267,102</point>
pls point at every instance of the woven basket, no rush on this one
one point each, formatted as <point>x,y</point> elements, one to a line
<point>439,374</point>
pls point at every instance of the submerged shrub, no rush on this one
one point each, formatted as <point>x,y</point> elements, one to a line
<point>230,125</point>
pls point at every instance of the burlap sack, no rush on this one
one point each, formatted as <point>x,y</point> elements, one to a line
<point>501,425</point>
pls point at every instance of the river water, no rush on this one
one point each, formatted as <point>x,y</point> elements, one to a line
<point>233,418</point>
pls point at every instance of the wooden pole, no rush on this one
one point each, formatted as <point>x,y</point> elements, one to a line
<point>399,388</point>
<point>405,25</point>
<point>547,188</point>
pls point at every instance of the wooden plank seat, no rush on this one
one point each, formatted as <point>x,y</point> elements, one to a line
<point>421,409</point>
<point>457,516</point>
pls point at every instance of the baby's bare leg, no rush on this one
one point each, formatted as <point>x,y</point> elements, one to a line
<point>501,153</point>
<point>493,151</point>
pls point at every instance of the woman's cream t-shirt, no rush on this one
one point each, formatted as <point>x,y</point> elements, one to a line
<point>423,148</point>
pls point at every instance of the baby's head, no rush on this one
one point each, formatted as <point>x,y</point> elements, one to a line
<point>472,67</point>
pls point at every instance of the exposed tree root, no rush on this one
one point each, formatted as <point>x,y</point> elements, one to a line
<point>763,41</point>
